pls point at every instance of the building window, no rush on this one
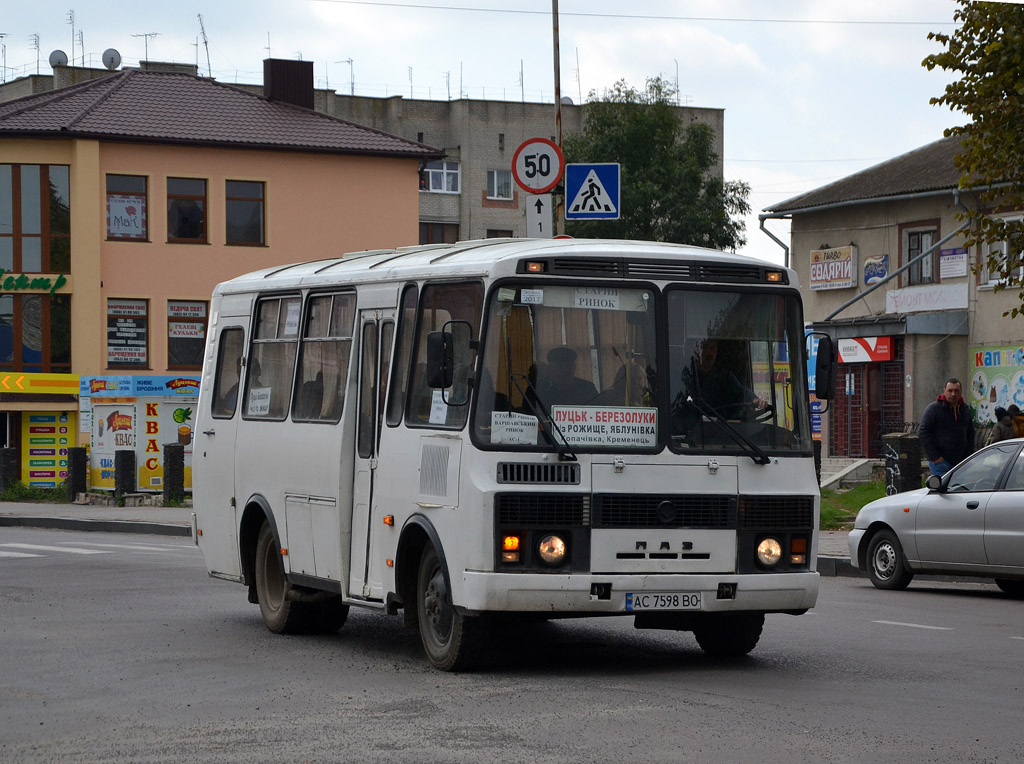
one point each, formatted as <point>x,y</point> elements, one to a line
<point>186,210</point>
<point>1000,252</point>
<point>244,211</point>
<point>127,334</point>
<point>35,333</point>
<point>441,178</point>
<point>499,184</point>
<point>186,334</point>
<point>126,208</point>
<point>35,218</point>
<point>916,241</point>
<point>439,233</point>
<point>499,233</point>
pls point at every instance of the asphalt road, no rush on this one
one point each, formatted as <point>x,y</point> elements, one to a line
<point>117,648</point>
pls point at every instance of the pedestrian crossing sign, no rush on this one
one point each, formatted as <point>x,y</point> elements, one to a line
<point>592,191</point>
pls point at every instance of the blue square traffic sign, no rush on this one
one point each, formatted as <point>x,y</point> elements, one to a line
<point>592,191</point>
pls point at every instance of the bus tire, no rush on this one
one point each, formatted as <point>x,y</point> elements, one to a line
<point>450,639</point>
<point>729,635</point>
<point>281,615</point>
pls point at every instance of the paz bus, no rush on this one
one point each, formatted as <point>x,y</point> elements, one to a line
<point>511,428</point>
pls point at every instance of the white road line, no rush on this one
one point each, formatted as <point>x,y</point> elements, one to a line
<point>17,554</point>
<point>1016,637</point>
<point>41,548</point>
<point>915,625</point>
<point>138,547</point>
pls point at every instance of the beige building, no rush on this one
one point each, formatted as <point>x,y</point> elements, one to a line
<point>884,269</point>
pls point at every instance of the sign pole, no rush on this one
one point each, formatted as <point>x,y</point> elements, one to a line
<point>559,196</point>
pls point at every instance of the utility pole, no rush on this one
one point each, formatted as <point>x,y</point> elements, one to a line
<point>559,195</point>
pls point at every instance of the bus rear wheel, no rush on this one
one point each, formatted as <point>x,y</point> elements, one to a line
<point>281,615</point>
<point>450,639</point>
<point>729,635</point>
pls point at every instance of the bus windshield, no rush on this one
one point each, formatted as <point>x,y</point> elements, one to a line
<point>735,375</point>
<point>569,367</point>
<point>575,368</point>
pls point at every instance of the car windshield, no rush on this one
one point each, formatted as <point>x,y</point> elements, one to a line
<point>735,373</point>
<point>568,367</point>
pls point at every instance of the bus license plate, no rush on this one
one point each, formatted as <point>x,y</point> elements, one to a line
<point>662,601</point>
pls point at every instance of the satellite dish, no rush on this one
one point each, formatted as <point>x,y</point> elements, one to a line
<point>111,59</point>
<point>58,58</point>
<point>566,101</point>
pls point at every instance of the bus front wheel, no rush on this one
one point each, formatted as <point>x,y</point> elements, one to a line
<point>729,635</point>
<point>281,615</point>
<point>450,639</point>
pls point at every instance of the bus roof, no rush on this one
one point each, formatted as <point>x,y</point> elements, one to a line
<point>500,257</point>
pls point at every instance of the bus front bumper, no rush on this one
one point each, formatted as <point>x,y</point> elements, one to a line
<point>607,594</point>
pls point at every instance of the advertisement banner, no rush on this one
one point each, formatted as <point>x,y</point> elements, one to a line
<point>864,349</point>
<point>997,379</point>
<point>833,268</point>
<point>45,440</point>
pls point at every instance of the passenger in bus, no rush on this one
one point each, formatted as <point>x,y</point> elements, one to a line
<point>560,386</point>
<point>716,387</point>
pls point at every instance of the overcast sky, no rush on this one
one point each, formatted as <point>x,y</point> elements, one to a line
<point>813,90</point>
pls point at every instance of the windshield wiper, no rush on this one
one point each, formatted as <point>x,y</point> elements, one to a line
<point>710,414</point>
<point>540,410</point>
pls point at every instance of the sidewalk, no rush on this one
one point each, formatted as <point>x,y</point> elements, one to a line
<point>833,552</point>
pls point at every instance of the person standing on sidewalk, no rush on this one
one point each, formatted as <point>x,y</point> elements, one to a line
<point>947,429</point>
<point>1003,428</point>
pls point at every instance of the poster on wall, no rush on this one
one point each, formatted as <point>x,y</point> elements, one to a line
<point>833,268</point>
<point>997,379</point>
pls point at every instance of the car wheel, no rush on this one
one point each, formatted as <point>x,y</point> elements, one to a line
<point>1012,586</point>
<point>280,614</point>
<point>887,567</point>
<point>729,635</point>
<point>450,639</point>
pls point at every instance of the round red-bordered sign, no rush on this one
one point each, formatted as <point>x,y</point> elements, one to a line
<point>538,165</point>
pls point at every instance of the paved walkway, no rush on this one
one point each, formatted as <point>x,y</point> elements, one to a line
<point>833,552</point>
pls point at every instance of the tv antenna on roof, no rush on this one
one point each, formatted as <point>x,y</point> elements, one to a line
<point>206,45</point>
<point>146,35</point>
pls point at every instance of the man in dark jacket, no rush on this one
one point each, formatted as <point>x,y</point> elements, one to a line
<point>947,429</point>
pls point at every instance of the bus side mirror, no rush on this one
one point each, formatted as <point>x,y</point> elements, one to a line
<point>440,362</point>
<point>825,368</point>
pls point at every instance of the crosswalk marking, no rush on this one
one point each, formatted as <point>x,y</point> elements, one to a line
<point>42,548</point>
<point>17,554</point>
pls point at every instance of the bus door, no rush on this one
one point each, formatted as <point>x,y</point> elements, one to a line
<point>213,448</point>
<point>376,334</point>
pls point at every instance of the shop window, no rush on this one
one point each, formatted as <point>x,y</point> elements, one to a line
<point>268,378</point>
<point>186,334</point>
<point>35,333</point>
<point>35,218</point>
<point>499,184</point>
<point>127,334</point>
<point>244,210</point>
<point>186,210</point>
<point>127,205</point>
<point>439,233</point>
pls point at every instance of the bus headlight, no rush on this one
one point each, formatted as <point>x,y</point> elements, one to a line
<point>552,549</point>
<point>769,552</point>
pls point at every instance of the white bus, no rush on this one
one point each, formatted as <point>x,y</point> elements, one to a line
<point>524,428</point>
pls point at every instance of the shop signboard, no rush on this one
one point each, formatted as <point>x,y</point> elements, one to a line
<point>834,268</point>
<point>46,437</point>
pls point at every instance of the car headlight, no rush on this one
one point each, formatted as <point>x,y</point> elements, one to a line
<point>552,549</point>
<point>769,552</point>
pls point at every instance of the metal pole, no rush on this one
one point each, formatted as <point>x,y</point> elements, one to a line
<point>559,195</point>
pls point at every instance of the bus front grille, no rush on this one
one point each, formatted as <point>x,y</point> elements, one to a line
<point>539,474</point>
<point>661,511</point>
<point>773,512</point>
<point>524,510</point>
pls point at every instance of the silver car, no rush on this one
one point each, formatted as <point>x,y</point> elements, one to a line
<point>970,521</point>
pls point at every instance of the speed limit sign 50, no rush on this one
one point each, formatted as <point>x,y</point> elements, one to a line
<point>538,165</point>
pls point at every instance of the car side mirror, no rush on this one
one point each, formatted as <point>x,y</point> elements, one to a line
<point>933,483</point>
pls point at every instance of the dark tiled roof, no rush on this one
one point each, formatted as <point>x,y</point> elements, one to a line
<point>171,107</point>
<point>929,168</point>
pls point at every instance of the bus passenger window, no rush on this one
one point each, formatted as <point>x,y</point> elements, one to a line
<point>442,303</point>
<point>228,374</point>
<point>324,358</point>
<point>403,357</point>
<point>268,382</point>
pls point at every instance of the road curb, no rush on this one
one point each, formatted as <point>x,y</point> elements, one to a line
<point>97,526</point>
<point>837,566</point>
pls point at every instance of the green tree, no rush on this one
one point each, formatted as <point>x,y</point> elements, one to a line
<point>987,52</point>
<point>669,191</point>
